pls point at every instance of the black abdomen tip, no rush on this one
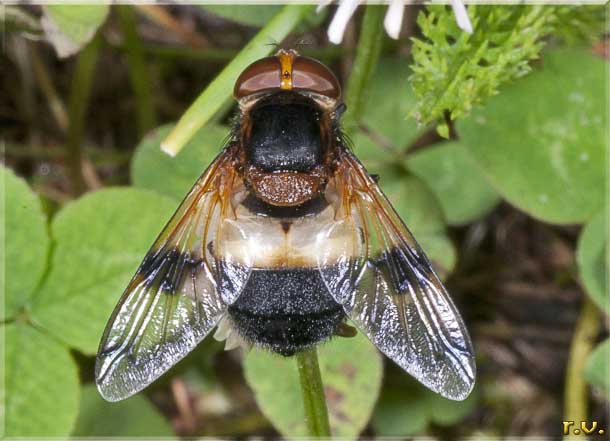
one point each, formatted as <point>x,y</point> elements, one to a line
<point>286,310</point>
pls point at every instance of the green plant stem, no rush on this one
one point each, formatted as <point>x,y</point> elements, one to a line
<point>367,57</point>
<point>77,108</point>
<point>138,71</point>
<point>56,105</point>
<point>316,414</point>
<point>587,327</point>
<point>219,90</point>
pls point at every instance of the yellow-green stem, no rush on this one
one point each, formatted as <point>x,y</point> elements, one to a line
<point>312,389</point>
<point>367,56</point>
<point>587,328</point>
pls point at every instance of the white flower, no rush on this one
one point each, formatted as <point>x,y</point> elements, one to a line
<point>392,21</point>
<point>461,16</point>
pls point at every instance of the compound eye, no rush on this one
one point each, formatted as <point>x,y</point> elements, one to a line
<point>310,74</point>
<point>260,75</point>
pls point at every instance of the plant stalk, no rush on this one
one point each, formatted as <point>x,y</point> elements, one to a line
<point>587,327</point>
<point>56,105</point>
<point>367,57</point>
<point>77,110</point>
<point>138,71</point>
<point>314,402</point>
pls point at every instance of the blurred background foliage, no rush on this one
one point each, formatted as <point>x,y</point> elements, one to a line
<point>492,146</point>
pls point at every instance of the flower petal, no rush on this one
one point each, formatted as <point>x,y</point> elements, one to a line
<point>393,18</point>
<point>322,4</point>
<point>344,13</point>
<point>461,16</point>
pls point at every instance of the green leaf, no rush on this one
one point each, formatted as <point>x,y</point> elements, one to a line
<point>592,263</point>
<point>373,155</point>
<point>41,382</point>
<point>100,240</point>
<point>154,170</point>
<point>70,27</point>
<point>351,373</point>
<point>454,71</point>
<point>406,408</point>
<point>25,247</point>
<point>221,88</point>
<point>541,143</point>
<point>597,370</point>
<point>456,180</point>
<point>135,416</point>
<point>251,15</point>
<point>390,98</point>
<point>419,210</point>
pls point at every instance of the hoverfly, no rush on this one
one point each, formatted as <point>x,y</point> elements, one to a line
<point>283,238</point>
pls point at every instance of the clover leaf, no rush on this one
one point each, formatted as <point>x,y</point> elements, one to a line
<point>456,180</point>
<point>153,169</point>
<point>26,242</point>
<point>41,384</point>
<point>101,239</point>
<point>70,27</point>
<point>135,416</point>
<point>351,373</point>
<point>407,408</point>
<point>542,142</point>
<point>389,100</point>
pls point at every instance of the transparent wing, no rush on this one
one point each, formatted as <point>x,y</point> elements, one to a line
<point>178,294</point>
<point>373,266</point>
